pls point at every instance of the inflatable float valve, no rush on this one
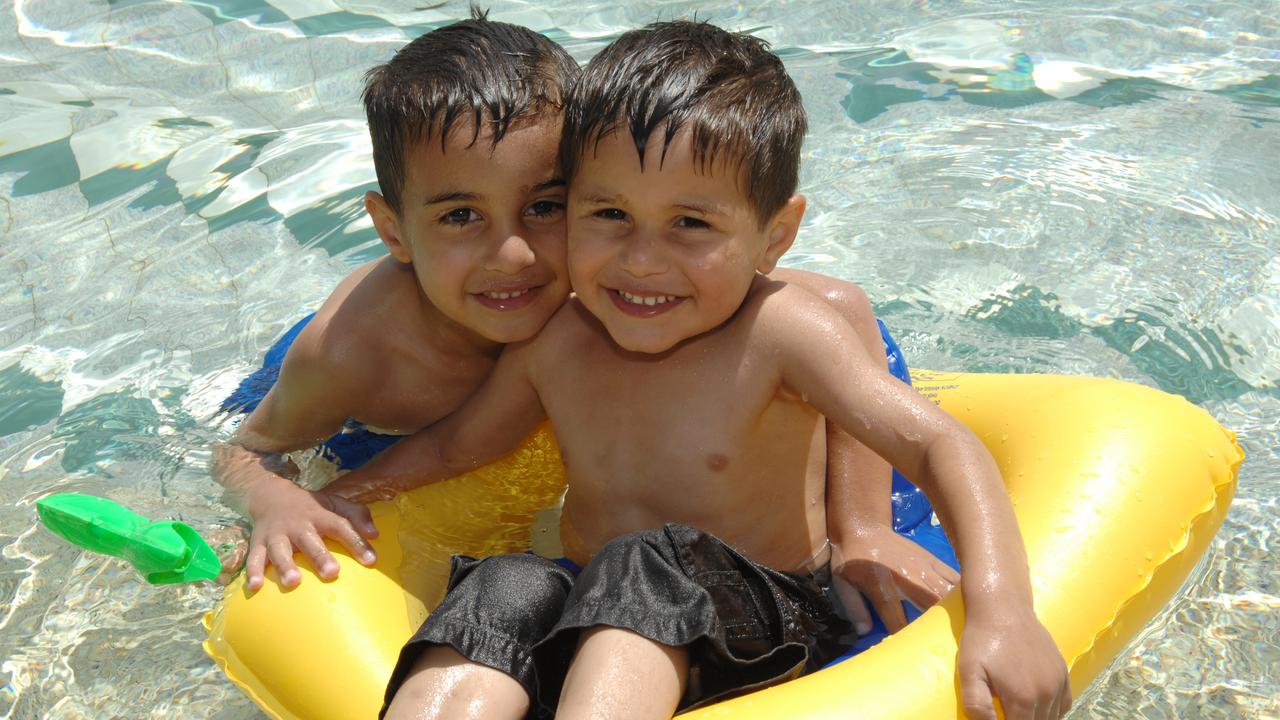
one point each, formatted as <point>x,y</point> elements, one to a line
<point>165,552</point>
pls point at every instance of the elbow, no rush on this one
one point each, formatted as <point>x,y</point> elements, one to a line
<point>957,453</point>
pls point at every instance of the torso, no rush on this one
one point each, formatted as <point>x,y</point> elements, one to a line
<point>410,375</point>
<point>745,462</point>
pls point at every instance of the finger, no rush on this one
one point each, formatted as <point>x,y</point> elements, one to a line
<point>854,605</point>
<point>1016,708</point>
<point>280,553</point>
<point>324,563</point>
<point>341,530</point>
<point>947,573</point>
<point>976,696</point>
<point>358,515</point>
<point>1055,708</point>
<point>255,565</point>
<point>927,593</point>
<point>888,602</point>
<point>359,492</point>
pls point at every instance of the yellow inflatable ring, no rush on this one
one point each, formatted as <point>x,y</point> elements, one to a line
<point>1117,489</point>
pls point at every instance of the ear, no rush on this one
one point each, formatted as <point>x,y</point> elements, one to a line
<point>781,232</point>
<point>387,223</point>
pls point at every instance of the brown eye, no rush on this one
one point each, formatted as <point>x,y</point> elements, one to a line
<point>545,208</point>
<point>460,217</point>
<point>691,223</point>
<point>613,214</point>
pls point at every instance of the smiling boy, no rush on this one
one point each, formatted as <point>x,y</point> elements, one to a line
<point>465,123</point>
<point>689,392</point>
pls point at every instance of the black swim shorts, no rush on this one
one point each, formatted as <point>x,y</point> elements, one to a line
<point>746,626</point>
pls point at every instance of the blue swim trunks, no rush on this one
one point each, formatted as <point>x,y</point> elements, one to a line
<point>350,448</point>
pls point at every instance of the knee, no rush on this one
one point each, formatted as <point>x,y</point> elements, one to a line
<point>517,587</point>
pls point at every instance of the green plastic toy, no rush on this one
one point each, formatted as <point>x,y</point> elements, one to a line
<point>164,552</point>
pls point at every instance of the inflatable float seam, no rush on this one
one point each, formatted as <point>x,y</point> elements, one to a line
<point>1225,483</point>
<point>265,704</point>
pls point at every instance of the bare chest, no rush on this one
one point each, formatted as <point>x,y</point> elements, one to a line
<point>408,392</point>
<point>631,427</point>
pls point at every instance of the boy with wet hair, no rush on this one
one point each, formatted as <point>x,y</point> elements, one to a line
<point>689,391</point>
<point>465,125</point>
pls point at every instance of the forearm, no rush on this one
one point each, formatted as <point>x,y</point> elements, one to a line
<point>412,462</point>
<point>241,470</point>
<point>859,487</point>
<point>962,479</point>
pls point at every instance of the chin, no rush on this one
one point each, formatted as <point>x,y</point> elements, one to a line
<point>646,345</point>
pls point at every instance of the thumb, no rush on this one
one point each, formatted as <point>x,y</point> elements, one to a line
<point>853,604</point>
<point>975,694</point>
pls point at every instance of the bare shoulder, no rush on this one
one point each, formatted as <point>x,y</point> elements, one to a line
<point>780,314</point>
<point>848,298</point>
<point>568,327</point>
<point>345,341</point>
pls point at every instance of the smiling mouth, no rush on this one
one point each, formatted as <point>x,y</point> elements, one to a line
<point>507,299</point>
<point>647,300</point>
<point>643,306</point>
<point>505,295</point>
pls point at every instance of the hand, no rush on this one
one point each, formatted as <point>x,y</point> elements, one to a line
<point>286,517</point>
<point>231,543</point>
<point>1011,655</point>
<point>887,568</point>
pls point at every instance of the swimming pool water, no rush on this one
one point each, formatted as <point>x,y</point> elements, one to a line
<point>1021,187</point>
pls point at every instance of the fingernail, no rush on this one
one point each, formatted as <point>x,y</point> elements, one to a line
<point>368,556</point>
<point>862,628</point>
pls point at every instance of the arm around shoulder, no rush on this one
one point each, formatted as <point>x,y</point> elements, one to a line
<point>492,422</point>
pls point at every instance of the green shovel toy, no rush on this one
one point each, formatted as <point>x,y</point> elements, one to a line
<point>164,552</point>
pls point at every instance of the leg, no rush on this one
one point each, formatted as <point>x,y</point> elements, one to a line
<point>619,674</point>
<point>471,657</point>
<point>443,684</point>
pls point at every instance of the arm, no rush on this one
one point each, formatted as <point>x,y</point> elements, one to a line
<point>306,405</point>
<point>1004,648</point>
<point>493,421</point>
<point>868,558</point>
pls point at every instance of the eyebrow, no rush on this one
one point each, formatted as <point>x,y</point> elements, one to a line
<point>547,185</point>
<point>599,199</point>
<point>458,195</point>
<point>707,208</point>
<point>449,196</point>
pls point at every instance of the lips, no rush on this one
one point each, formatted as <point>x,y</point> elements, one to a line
<point>643,304</point>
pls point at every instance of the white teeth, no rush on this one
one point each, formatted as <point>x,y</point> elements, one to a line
<point>504,295</point>
<point>646,299</point>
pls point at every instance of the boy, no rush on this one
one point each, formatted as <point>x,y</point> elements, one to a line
<point>473,220</point>
<point>465,123</point>
<point>688,392</point>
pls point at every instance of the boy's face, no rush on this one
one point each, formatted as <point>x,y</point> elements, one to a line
<point>667,253</point>
<point>484,227</point>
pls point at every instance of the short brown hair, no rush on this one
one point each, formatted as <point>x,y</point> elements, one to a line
<point>728,88</point>
<point>492,72</point>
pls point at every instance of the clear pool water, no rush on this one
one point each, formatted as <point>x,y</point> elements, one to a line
<point>1021,187</point>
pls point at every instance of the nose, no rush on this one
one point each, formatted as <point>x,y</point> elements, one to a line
<point>510,254</point>
<point>640,255</point>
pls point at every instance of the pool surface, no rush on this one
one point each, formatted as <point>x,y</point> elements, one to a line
<point>1020,187</point>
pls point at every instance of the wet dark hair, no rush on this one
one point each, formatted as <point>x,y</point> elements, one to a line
<point>727,88</point>
<point>492,73</point>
